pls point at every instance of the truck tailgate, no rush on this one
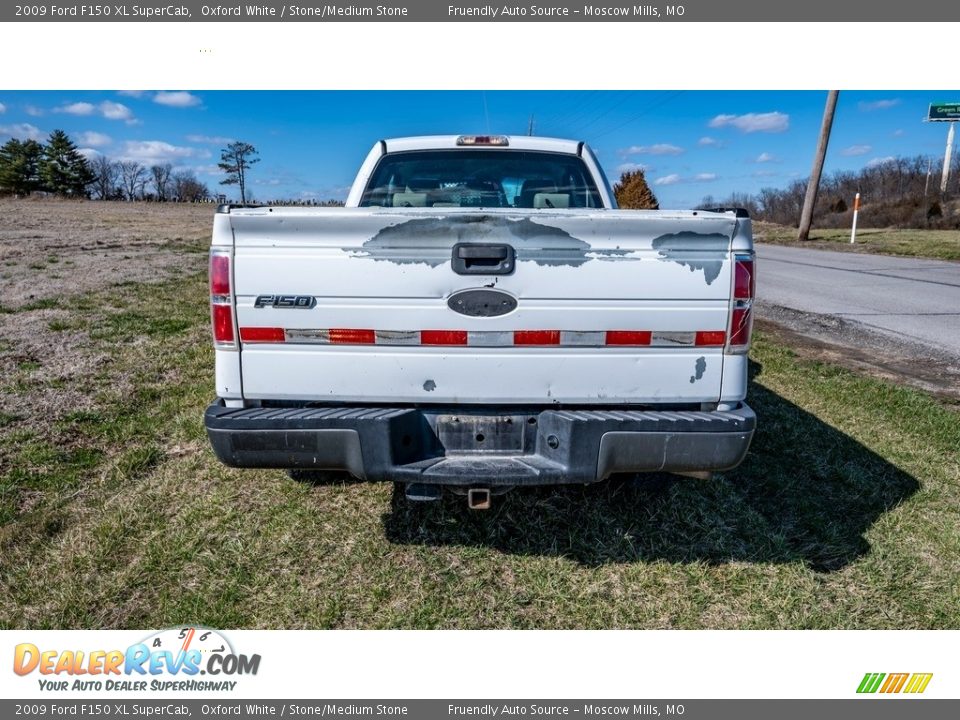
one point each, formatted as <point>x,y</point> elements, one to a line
<point>600,306</point>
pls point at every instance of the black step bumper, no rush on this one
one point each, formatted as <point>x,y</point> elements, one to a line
<point>483,446</point>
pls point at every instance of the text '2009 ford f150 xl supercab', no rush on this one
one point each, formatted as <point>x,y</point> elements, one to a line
<point>481,316</point>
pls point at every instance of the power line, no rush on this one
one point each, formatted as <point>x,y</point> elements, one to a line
<point>650,108</point>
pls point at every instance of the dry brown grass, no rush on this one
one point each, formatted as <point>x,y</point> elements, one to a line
<point>49,248</point>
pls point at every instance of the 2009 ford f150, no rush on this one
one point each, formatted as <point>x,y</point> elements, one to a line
<point>479,316</point>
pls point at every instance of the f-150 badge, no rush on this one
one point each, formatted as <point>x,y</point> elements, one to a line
<point>302,302</point>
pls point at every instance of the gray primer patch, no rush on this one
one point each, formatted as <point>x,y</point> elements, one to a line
<point>430,240</point>
<point>430,386</point>
<point>700,369</point>
<point>698,251</point>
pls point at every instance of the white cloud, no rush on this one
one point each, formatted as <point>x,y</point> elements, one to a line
<point>108,109</point>
<point>93,139</point>
<point>150,152</point>
<point>855,150</point>
<point>3,108</point>
<point>707,141</point>
<point>632,167</point>
<point>771,122</point>
<point>21,131</point>
<point>178,98</point>
<point>668,180</point>
<point>88,152</point>
<point>115,111</point>
<point>211,169</point>
<point>765,173</point>
<point>658,149</point>
<point>898,132</point>
<point>131,93</point>
<point>209,139</point>
<point>78,108</point>
<point>880,161</point>
<point>33,111</point>
<point>879,104</point>
<point>676,178</point>
<point>766,157</point>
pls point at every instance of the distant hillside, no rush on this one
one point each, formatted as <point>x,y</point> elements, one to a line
<point>897,192</point>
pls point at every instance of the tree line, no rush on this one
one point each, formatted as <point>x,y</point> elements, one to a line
<point>896,192</point>
<point>57,167</point>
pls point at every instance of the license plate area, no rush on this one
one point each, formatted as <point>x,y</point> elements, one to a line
<point>497,434</point>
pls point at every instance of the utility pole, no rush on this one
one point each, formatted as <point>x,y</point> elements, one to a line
<point>947,159</point>
<point>530,125</point>
<point>810,199</point>
<point>926,185</point>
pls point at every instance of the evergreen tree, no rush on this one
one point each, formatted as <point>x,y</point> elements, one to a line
<point>633,193</point>
<point>19,166</point>
<point>235,160</point>
<point>63,170</point>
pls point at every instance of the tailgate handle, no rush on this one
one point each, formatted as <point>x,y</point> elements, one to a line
<point>482,259</point>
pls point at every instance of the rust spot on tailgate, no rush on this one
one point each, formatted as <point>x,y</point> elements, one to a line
<point>429,240</point>
<point>699,369</point>
<point>698,251</point>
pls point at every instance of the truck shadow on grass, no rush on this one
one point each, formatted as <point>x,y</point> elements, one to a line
<point>806,493</point>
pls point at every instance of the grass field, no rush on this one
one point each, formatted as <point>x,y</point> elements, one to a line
<point>114,512</point>
<point>939,244</point>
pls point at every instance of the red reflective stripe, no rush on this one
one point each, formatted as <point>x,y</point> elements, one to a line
<point>350,336</point>
<point>262,334</point>
<point>536,337</point>
<point>628,337</point>
<point>740,327</point>
<point>443,337</point>
<point>711,338</point>
<point>219,274</point>
<point>744,282</point>
<point>222,318</point>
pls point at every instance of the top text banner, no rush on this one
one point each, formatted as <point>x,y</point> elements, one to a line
<point>738,11</point>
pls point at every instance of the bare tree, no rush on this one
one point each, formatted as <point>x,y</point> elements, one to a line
<point>160,175</point>
<point>134,178</point>
<point>106,173</point>
<point>235,160</point>
<point>186,188</point>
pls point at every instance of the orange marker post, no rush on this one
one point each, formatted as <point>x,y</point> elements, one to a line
<point>856,211</point>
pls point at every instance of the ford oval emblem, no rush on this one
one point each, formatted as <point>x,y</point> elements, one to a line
<point>482,302</point>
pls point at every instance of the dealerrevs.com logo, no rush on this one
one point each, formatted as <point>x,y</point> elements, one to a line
<point>892,683</point>
<point>180,659</point>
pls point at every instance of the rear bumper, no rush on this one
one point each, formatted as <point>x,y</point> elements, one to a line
<point>489,446</point>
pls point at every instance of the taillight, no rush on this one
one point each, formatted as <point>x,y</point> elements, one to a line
<point>741,317</point>
<point>221,300</point>
<point>744,284</point>
<point>219,274</point>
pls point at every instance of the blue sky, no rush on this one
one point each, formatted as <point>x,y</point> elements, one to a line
<point>691,143</point>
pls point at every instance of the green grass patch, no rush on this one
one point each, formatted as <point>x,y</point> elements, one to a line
<point>938,244</point>
<point>846,514</point>
<point>41,304</point>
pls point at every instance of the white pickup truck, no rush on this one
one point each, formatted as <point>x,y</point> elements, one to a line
<point>481,316</point>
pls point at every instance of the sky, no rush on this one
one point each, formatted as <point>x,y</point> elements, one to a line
<point>690,143</point>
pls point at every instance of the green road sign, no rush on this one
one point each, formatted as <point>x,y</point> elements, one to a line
<point>944,112</point>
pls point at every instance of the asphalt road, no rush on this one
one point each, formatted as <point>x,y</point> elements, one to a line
<point>910,299</point>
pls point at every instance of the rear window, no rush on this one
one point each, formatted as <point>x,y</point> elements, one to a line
<point>481,178</point>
